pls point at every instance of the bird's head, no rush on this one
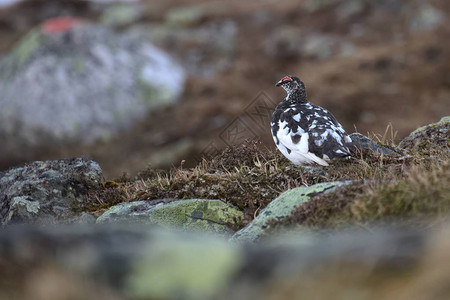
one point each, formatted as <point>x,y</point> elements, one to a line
<point>292,84</point>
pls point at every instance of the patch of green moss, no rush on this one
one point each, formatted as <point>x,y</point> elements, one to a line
<point>28,45</point>
<point>430,138</point>
<point>152,95</point>
<point>79,65</point>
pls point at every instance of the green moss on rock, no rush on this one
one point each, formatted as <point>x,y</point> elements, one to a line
<point>282,207</point>
<point>28,45</point>
<point>191,214</point>
<point>428,137</point>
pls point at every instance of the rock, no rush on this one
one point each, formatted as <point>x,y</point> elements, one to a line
<point>363,143</point>
<point>185,16</point>
<point>190,15</point>
<point>68,81</point>
<point>137,262</point>
<point>350,9</point>
<point>426,138</point>
<point>45,192</point>
<point>122,14</point>
<point>282,207</point>
<point>191,214</point>
<point>291,42</point>
<point>321,47</point>
<point>83,218</point>
<point>141,262</point>
<point>284,43</point>
<point>189,267</point>
<point>315,5</point>
<point>425,18</point>
<point>336,265</point>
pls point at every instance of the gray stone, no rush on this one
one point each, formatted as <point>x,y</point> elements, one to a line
<point>83,218</point>
<point>425,18</point>
<point>45,192</point>
<point>190,15</point>
<point>363,143</point>
<point>81,84</point>
<point>190,214</point>
<point>20,205</point>
<point>122,14</point>
<point>286,42</point>
<point>291,42</point>
<point>444,122</point>
<point>315,5</point>
<point>189,267</point>
<point>430,137</point>
<point>282,207</point>
<point>185,16</point>
<point>349,9</point>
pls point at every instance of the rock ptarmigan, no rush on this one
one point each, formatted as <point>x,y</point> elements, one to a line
<point>306,133</point>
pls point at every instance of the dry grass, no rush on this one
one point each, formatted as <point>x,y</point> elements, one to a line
<point>249,176</point>
<point>414,191</point>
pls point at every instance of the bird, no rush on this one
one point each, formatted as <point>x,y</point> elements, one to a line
<point>306,133</point>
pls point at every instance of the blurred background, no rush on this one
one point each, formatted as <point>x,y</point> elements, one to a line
<point>138,83</point>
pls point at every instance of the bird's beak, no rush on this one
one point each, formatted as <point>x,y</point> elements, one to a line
<point>278,83</point>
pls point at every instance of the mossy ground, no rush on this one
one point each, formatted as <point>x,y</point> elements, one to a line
<point>249,176</point>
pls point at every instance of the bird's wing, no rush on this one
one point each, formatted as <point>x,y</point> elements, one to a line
<point>338,127</point>
<point>330,140</point>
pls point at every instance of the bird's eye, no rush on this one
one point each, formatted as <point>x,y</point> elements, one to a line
<point>286,79</point>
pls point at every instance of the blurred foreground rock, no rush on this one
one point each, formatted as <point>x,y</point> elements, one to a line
<point>101,262</point>
<point>70,81</point>
<point>45,192</point>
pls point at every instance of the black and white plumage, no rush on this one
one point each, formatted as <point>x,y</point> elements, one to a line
<point>306,133</point>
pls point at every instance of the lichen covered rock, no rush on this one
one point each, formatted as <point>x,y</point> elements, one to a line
<point>191,214</point>
<point>282,207</point>
<point>70,81</point>
<point>425,138</point>
<point>45,192</point>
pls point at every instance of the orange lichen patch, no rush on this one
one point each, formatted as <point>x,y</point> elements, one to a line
<point>60,24</point>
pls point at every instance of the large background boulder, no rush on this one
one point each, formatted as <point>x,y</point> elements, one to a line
<point>70,81</point>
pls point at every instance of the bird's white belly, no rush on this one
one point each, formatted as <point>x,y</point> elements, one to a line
<point>295,157</point>
<point>298,154</point>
